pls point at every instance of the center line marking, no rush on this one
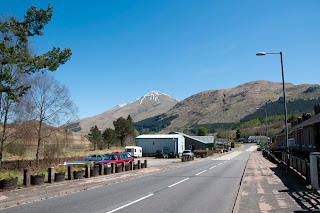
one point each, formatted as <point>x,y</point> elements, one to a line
<point>201,172</point>
<point>178,182</point>
<point>130,203</point>
<point>219,164</point>
<point>212,167</point>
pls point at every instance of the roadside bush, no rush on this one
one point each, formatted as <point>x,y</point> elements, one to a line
<point>53,150</point>
<point>16,148</point>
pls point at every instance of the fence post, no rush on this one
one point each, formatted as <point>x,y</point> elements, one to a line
<point>101,169</point>
<point>26,177</point>
<point>50,174</point>
<point>131,165</point>
<point>145,163</point>
<point>139,164</point>
<point>87,172</point>
<point>113,166</point>
<point>314,170</point>
<point>70,173</point>
<point>123,166</point>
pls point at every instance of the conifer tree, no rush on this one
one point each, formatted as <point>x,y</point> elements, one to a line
<point>94,136</point>
<point>16,57</point>
<point>109,137</point>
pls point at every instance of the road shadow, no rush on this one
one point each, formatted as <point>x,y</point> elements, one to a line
<point>307,199</point>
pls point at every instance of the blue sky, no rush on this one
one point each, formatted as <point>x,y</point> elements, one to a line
<point>125,49</point>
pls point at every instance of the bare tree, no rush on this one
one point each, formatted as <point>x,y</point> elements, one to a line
<point>8,105</point>
<point>50,103</point>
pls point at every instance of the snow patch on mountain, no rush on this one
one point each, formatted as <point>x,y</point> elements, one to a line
<point>154,96</point>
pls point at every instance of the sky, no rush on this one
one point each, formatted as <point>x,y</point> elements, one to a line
<point>123,49</point>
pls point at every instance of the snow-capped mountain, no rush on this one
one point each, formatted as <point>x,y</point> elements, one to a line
<point>152,104</point>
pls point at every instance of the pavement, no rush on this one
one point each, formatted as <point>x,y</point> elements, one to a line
<point>267,188</point>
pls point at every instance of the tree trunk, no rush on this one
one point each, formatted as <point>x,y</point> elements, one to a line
<point>3,138</point>
<point>39,143</point>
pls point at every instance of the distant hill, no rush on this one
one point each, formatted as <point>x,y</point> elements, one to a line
<point>227,107</point>
<point>149,105</point>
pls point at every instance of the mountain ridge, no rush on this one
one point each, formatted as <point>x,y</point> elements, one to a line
<point>232,104</point>
<point>148,105</point>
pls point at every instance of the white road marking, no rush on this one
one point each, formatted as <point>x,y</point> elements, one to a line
<point>178,182</point>
<point>212,167</point>
<point>201,172</point>
<point>130,203</point>
<point>219,164</point>
<point>252,148</point>
<point>226,161</point>
<point>229,156</point>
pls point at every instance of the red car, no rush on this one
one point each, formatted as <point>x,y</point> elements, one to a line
<point>117,158</point>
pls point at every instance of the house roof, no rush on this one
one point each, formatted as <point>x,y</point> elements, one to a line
<point>310,121</point>
<point>201,139</point>
<point>313,120</point>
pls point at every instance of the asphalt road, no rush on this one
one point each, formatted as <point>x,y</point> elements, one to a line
<point>209,186</point>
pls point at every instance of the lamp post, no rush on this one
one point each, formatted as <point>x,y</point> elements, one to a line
<point>265,109</point>
<point>285,104</point>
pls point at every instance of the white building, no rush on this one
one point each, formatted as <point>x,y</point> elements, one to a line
<point>167,143</point>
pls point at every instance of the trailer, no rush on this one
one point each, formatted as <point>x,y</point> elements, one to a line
<point>135,151</point>
<point>165,142</point>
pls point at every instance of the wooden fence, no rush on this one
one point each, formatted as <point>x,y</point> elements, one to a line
<point>43,163</point>
<point>299,166</point>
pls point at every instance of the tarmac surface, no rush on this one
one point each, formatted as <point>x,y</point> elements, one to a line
<point>264,187</point>
<point>267,188</point>
<point>46,191</point>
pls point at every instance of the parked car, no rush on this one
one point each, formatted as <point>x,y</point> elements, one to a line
<point>95,157</point>
<point>187,153</point>
<point>161,154</point>
<point>117,158</point>
<point>172,155</point>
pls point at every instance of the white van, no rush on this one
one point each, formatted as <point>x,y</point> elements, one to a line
<point>135,151</point>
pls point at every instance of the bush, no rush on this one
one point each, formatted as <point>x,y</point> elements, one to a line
<point>16,148</point>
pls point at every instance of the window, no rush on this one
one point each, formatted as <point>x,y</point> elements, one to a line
<point>128,150</point>
<point>190,146</point>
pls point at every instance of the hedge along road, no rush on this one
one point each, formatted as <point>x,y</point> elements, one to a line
<point>208,186</point>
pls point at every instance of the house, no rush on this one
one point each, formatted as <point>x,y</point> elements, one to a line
<point>197,142</point>
<point>165,142</point>
<point>303,137</point>
<point>220,144</point>
<point>258,138</point>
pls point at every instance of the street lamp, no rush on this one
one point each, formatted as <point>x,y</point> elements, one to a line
<point>285,104</point>
<point>266,127</point>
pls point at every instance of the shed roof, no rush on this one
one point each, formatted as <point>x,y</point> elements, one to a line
<point>159,136</point>
<point>201,139</point>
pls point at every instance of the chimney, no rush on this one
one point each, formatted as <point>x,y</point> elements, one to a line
<point>306,116</point>
<point>299,120</point>
<point>316,108</point>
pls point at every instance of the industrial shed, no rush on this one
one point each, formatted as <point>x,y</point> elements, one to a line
<point>197,142</point>
<point>168,143</point>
